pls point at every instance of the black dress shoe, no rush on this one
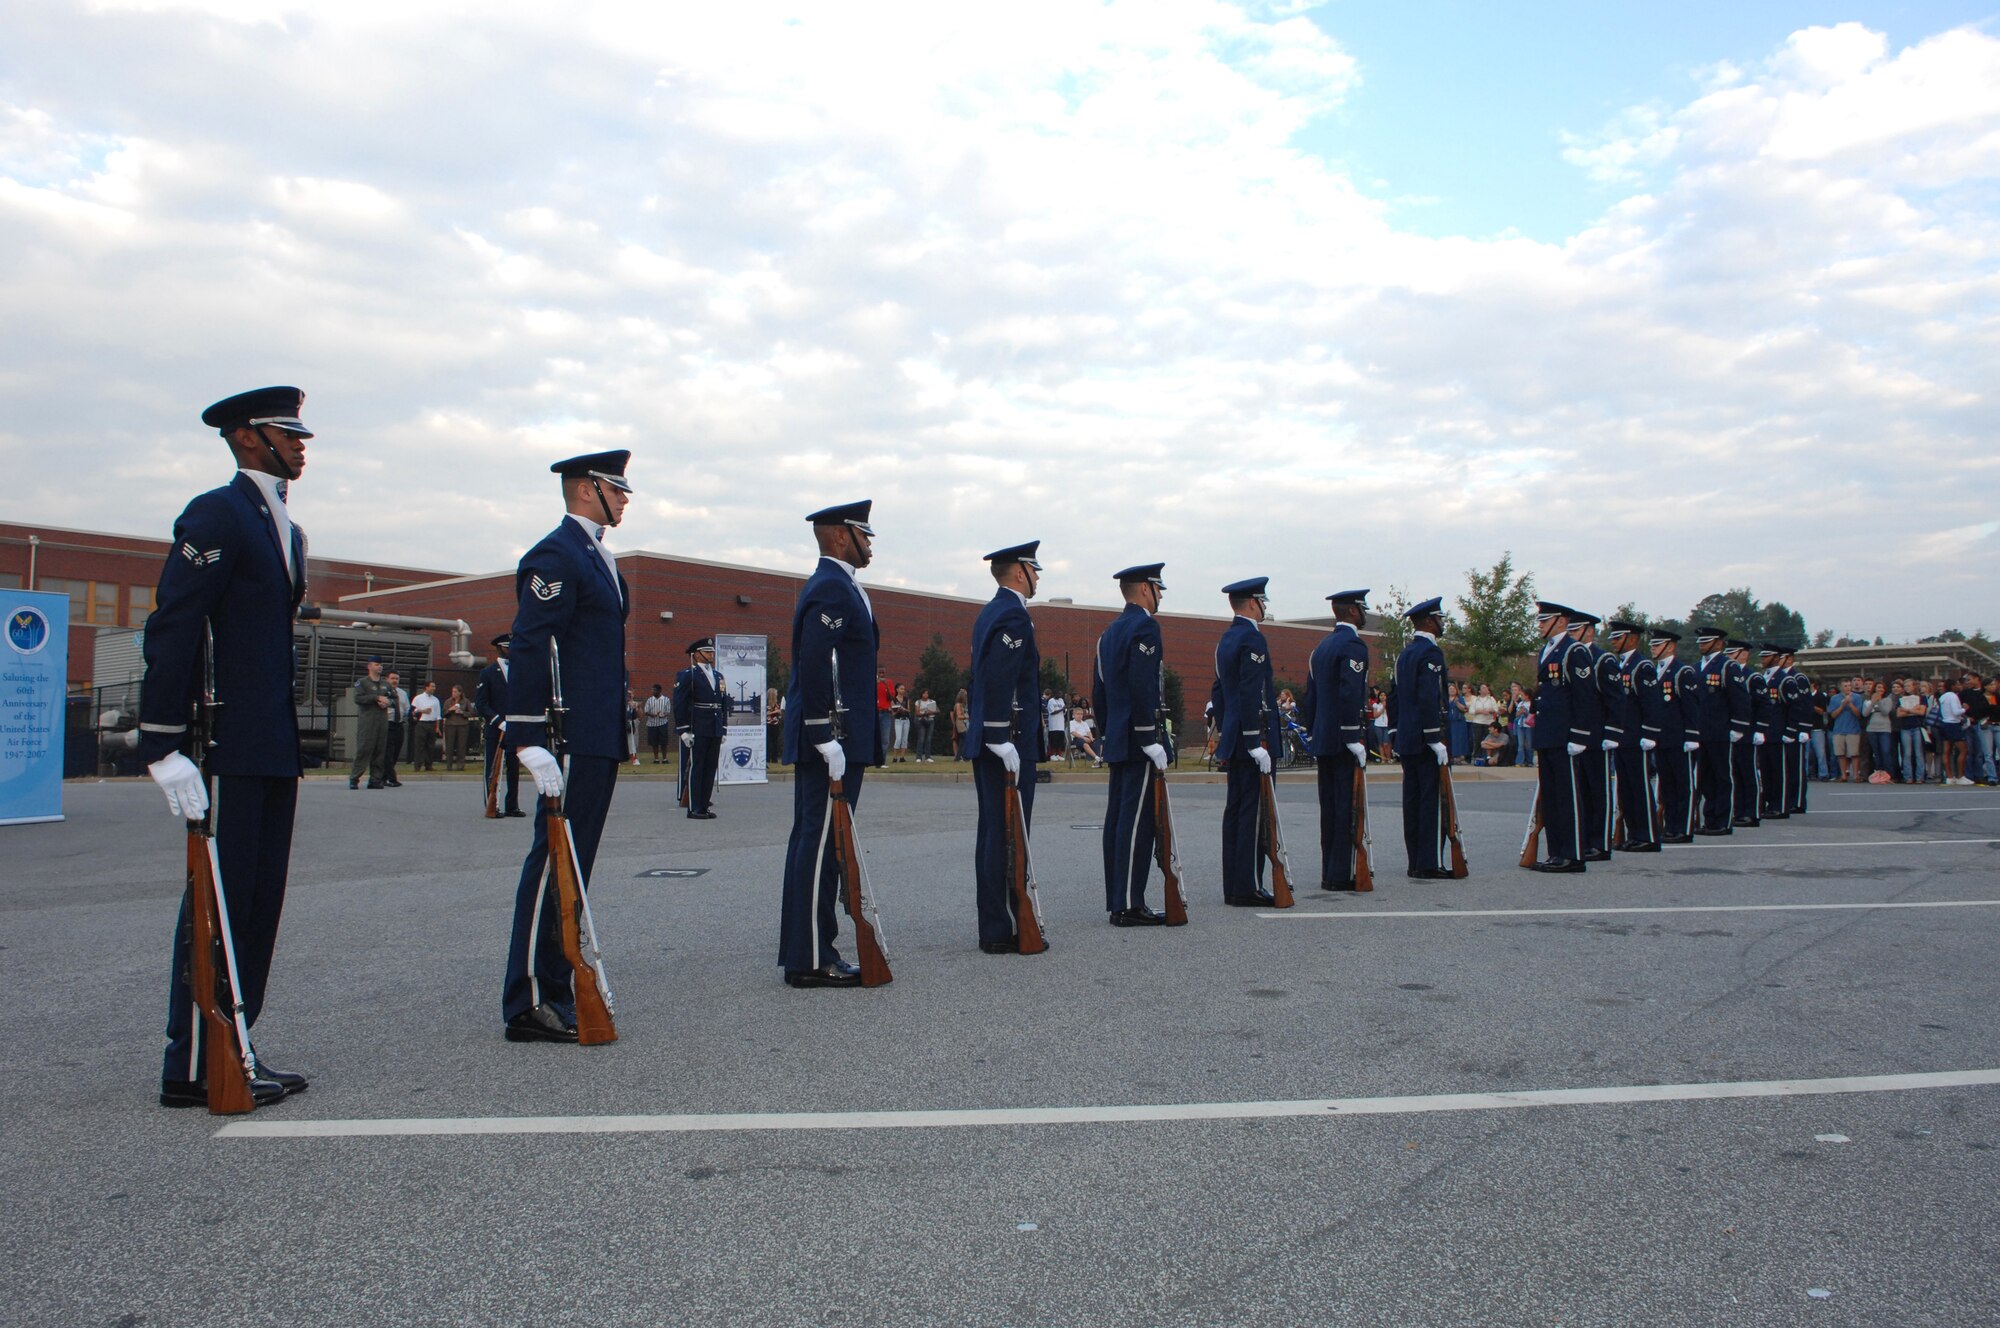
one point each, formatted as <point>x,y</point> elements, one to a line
<point>194,1093</point>
<point>541,1024</point>
<point>1138,917</point>
<point>1557,865</point>
<point>1706,831</point>
<point>1640,848</point>
<point>1596,855</point>
<point>514,811</point>
<point>1431,874</point>
<point>836,974</point>
<point>289,1080</point>
<point>1744,823</point>
<point>1258,900</point>
<point>1336,885</point>
<point>394,783</point>
<point>701,816</point>
<point>374,783</point>
<point>1677,839</point>
<point>354,783</point>
<point>1011,945</point>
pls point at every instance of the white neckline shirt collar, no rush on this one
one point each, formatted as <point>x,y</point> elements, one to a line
<point>854,575</point>
<point>281,519</point>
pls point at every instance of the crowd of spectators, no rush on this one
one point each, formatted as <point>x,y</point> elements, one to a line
<point>1901,730</point>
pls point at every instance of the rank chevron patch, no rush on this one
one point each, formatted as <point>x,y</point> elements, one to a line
<point>544,590</point>
<point>198,557</point>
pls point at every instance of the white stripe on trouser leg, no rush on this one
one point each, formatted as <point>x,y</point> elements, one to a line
<point>819,862</point>
<point>1132,848</point>
<point>1575,808</point>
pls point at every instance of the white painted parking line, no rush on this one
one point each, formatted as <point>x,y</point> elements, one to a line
<point>1297,914</point>
<point>1104,1115</point>
<point>1835,843</point>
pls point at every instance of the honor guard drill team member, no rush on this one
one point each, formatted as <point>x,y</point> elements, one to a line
<point>1335,710</point>
<point>1723,727</point>
<point>1565,684</point>
<point>1605,732</point>
<point>1645,718</point>
<point>1745,689</point>
<point>1420,740</point>
<point>1799,718</point>
<point>701,708</point>
<point>1125,684</point>
<point>1004,714</point>
<point>834,639</point>
<point>569,592</point>
<point>1245,707</point>
<point>237,569</point>
<point>1774,720</point>
<point>489,698</point>
<point>1680,738</point>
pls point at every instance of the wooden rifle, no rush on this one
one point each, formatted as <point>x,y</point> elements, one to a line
<point>1459,870</point>
<point>1271,836</point>
<point>229,1063</point>
<point>1531,841</point>
<point>1020,867</point>
<point>1166,844</point>
<point>592,990</point>
<point>493,775</point>
<point>851,870</point>
<point>1364,869</point>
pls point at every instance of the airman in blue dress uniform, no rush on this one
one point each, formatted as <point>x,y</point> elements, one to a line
<point>1565,693</point>
<point>1246,707</point>
<point>1680,737</point>
<point>834,640</point>
<point>1799,715</point>
<point>1774,720</point>
<point>568,594</point>
<point>1745,703</point>
<point>238,569</point>
<point>1644,722</point>
<point>1606,731</point>
<point>701,708</point>
<point>1336,710</point>
<point>1725,723</point>
<point>489,698</point>
<point>1420,679</point>
<point>1125,693</point>
<point>1004,719</point>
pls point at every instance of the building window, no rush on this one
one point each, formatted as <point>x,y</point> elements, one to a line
<point>10,580</point>
<point>104,603</point>
<point>89,601</point>
<point>78,592</point>
<point>140,600</point>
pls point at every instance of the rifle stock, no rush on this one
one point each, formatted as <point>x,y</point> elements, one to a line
<point>1167,851</point>
<point>868,947</point>
<point>493,777</point>
<point>1274,843</point>
<point>1459,871</point>
<point>1364,869</point>
<point>588,984</point>
<point>227,1060</point>
<point>1530,843</point>
<point>1021,874</point>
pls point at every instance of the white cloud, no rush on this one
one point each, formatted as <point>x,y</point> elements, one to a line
<point>1059,270</point>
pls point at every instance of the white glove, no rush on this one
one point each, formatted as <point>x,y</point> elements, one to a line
<point>1156,754</point>
<point>1009,756</point>
<point>1608,744</point>
<point>1575,748</point>
<point>180,779</point>
<point>1358,752</point>
<point>1756,740</point>
<point>542,764</point>
<point>1263,760</point>
<point>1734,736</point>
<point>1647,744</point>
<point>1788,738</point>
<point>1690,746</point>
<point>835,757</point>
<point>1437,750</point>
<point>687,739</point>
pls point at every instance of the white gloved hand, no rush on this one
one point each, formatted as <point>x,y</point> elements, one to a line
<point>1156,754</point>
<point>1690,746</point>
<point>180,779</point>
<point>1788,738</point>
<point>1734,736</point>
<point>1358,752</point>
<point>1575,748</point>
<point>687,739</point>
<point>835,757</point>
<point>1438,750</point>
<point>1647,744</point>
<point>1608,744</point>
<point>1756,740</point>
<point>1263,760</point>
<point>1009,756</point>
<point>542,764</point>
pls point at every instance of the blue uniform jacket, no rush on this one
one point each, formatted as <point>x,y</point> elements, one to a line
<point>1006,673</point>
<point>489,695</point>
<point>832,619</point>
<point>1419,696</point>
<point>1249,703</point>
<point>1798,704</point>
<point>1767,705</point>
<point>701,707</point>
<point>1335,708</point>
<point>1611,698</point>
<point>1125,683</point>
<point>226,570</point>
<point>1562,676</point>
<point>1684,690</point>
<point>1719,687</point>
<point>567,594</point>
<point>1651,715</point>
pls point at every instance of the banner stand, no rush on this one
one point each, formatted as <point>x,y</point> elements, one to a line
<point>34,687</point>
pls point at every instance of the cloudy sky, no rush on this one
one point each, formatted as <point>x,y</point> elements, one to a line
<point>1356,294</point>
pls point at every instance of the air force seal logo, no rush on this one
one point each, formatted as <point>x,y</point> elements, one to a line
<point>27,630</point>
<point>544,590</point>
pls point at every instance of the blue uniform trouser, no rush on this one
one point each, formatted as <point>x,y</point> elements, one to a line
<point>807,928</point>
<point>510,801</point>
<point>1337,773</point>
<point>1676,769</point>
<point>1128,834</point>
<point>1635,794</point>
<point>1795,760</point>
<point>1423,812</point>
<point>1718,781</point>
<point>1562,812</point>
<point>1594,793</point>
<point>989,846</point>
<point>1774,777</point>
<point>701,788</point>
<point>1242,869</point>
<point>1743,767</point>
<point>253,844</point>
<point>544,979</point>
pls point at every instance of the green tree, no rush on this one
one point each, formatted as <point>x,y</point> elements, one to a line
<point>1173,698</point>
<point>1394,629</point>
<point>776,674</point>
<point>1822,638</point>
<point>938,672</point>
<point>1498,628</point>
<point>1738,613</point>
<point>1054,679</point>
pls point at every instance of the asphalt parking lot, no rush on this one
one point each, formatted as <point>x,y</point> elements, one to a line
<point>1652,1094</point>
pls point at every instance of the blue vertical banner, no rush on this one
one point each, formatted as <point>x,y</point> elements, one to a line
<point>34,679</point>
